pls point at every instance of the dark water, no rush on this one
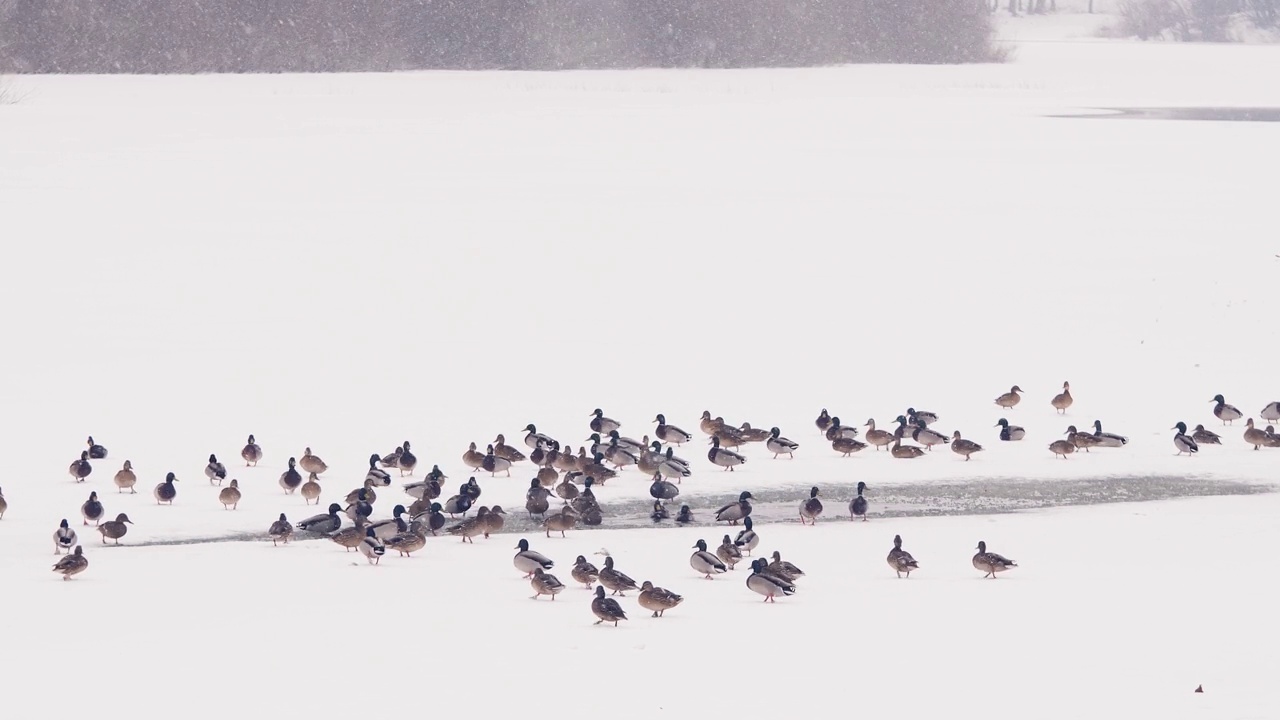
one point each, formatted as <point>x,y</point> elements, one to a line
<point>1214,114</point>
<point>978,497</point>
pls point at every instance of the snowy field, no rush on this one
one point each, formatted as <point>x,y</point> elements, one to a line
<point>349,262</point>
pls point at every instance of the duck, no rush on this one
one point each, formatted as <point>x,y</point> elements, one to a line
<point>991,563</point>
<point>811,508</point>
<point>392,525</point>
<point>125,478</point>
<point>747,539</point>
<point>685,515</point>
<point>709,425</point>
<point>900,560</point>
<point>629,444</point>
<point>620,456</point>
<point>1224,412</point>
<point>560,522</point>
<point>592,516</point>
<point>602,424</point>
<point>606,609</point>
<point>428,488</point>
<point>506,452</point>
<point>350,537</point>
<point>290,479</point>
<point>1271,413</point>
<point>616,580</point>
<point>473,459</point>
<point>659,512</point>
<point>96,451</point>
<point>472,489</point>
<point>493,521</point>
<point>493,464</point>
<point>408,542</point>
<point>115,529</point>
<point>584,572</point>
<point>72,564</point>
<point>662,489</point>
<point>879,438</point>
<point>372,547</point>
<point>565,461</point>
<point>1182,442</point>
<point>80,469</point>
<point>1273,440</point>
<point>377,475</point>
<point>229,496</point>
<point>726,459</point>
<point>729,436</point>
<point>312,463</point>
<point>536,499</point>
<point>526,560</point>
<point>323,523</point>
<point>64,538</point>
<point>1010,433</point>
<point>92,509</point>
<point>361,508</point>
<point>280,531</point>
<point>823,422</point>
<point>783,569</point>
<point>1107,439</point>
<point>595,469</point>
<point>921,418</point>
<point>847,446</point>
<point>392,459</point>
<point>1062,400</point>
<point>552,457</point>
<point>431,519</point>
<point>674,467</point>
<point>566,490</point>
<point>311,490</point>
<point>928,438</point>
<point>651,459</point>
<point>1062,448</point>
<point>728,553</point>
<point>407,460</point>
<point>1010,399</point>
<point>960,446</point>
<point>1206,437</point>
<point>1082,441</point>
<point>251,453</point>
<point>1255,437</point>
<point>657,599</point>
<point>533,438</point>
<point>750,434</point>
<point>836,430</point>
<point>904,452</point>
<point>472,526</point>
<point>545,583</point>
<point>4,505</point>
<point>165,492</point>
<point>586,499</point>
<point>768,584</point>
<point>670,434</point>
<point>858,505</point>
<point>779,445</point>
<point>735,511</point>
<point>215,471</point>
<point>539,457</point>
<point>547,477</point>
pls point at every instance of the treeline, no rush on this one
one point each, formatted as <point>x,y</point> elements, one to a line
<point>189,36</point>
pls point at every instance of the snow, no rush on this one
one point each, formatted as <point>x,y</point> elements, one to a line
<point>347,262</point>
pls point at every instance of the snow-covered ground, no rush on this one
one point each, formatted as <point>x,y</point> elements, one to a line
<point>348,262</point>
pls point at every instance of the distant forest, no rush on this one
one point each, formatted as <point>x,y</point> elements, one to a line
<point>237,36</point>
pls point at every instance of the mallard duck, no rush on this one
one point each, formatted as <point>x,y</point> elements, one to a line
<point>823,422</point>
<point>392,525</point>
<point>566,490</point>
<point>311,490</point>
<point>408,542</point>
<point>324,523</point>
<point>750,434</point>
<point>726,459</point>
<point>290,479</point>
<point>616,580</point>
<point>878,438</point>
<point>584,572</point>
<point>493,464</point>
<point>472,526</point>
<point>779,445</point>
<point>928,437</point>
<point>350,537</point>
<point>215,471</point>
<point>1062,400</point>
<point>598,444</point>
<point>651,459</point>
<point>312,463</point>
<point>659,512</point>
<point>371,547</point>
<point>92,509</point>
<point>728,553</point>
<point>64,538</point>
<point>539,457</point>
<point>735,511</point>
<point>407,460</point>
<point>810,508</point>
<point>165,492</point>
<point>377,475</point>
<point>709,425</point>
<point>472,458</point>
<point>685,516</point>
<point>544,583</point>
<point>847,446</point>
<point>1271,413</point>
<point>768,584</point>
<point>921,418</point>
<point>526,560</point>
<point>458,504</point>
<point>280,531</point>
<point>602,424</point>
<point>782,568</point>
<point>858,505</point>
<point>96,451</point>
<point>620,457</point>
<point>596,469</point>
<point>472,489</point>
<point>565,461</point>
<point>836,430</point>
<point>72,564</point>
<point>586,499</point>
<point>747,539</point>
<point>533,438</point>
<point>592,516</point>
<point>662,489</point>
<point>80,469</point>
<point>430,519</point>
<point>560,522</point>
<point>960,446</point>
<point>1062,448</point>
<point>729,436</point>
<point>251,453</point>
<point>229,496</point>
<point>125,478</point>
<point>1206,437</point>
<point>4,505</point>
<point>506,452</point>
<point>364,492</point>
<point>553,458</point>
<point>991,563</point>
<point>1010,433</point>
<point>493,521</point>
<point>670,433</point>
<point>629,444</point>
<point>1224,412</point>
<point>674,467</point>
<point>392,459</point>
<point>536,499</point>
<point>1106,439</point>
<point>606,608</point>
<point>1255,437</point>
<point>428,489</point>
<point>657,599</point>
<point>900,560</point>
<point>1273,440</point>
<point>904,452</point>
<point>115,529</point>
<point>1010,398</point>
<point>360,509</point>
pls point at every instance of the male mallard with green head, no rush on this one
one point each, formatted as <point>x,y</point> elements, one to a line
<point>704,562</point>
<point>290,479</point>
<point>858,505</point>
<point>1224,412</point>
<point>92,509</point>
<point>1010,433</point>
<point>215,471</point>
<point>165,492</point>
<point>810,508</point>
<point>64,538</point>
<point>80,469</point>
<point>526,560</point>
<point>768,584</point>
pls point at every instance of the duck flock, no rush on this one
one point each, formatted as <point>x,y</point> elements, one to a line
<point>574,477</point>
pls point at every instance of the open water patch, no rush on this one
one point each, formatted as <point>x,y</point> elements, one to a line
<point>1209,114</point>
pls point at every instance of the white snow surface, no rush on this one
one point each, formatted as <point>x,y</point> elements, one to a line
<point>347,262</point>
